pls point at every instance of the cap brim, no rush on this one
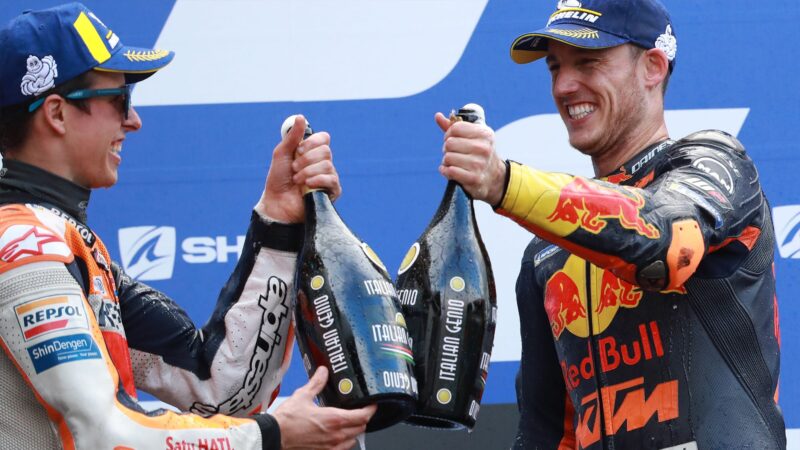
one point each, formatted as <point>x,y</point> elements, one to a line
<point>136,63</point>
<point>531,46</point>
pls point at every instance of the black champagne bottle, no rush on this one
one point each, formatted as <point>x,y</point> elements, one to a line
<point>447,294</point>
<point>348,317</point>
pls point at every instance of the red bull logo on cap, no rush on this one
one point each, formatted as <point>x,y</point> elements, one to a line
<point>565,299</point>
<point>589,205</point>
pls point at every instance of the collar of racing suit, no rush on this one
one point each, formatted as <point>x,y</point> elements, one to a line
<point>638,171</point>
<point>62,193</point>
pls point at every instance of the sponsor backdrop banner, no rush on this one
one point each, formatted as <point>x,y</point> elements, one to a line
<point>372,74</point>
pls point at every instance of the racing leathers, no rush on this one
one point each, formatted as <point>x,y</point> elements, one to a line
<point>79,336</point>
<point>647,303</point>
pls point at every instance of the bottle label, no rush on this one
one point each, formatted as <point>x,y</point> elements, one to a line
<point>379,287</point>
<point>366,334</point>
<point>453,315</point>
<point>330,337</point>
<point>372,256</point>
<point>345,386</point>
<point>393,340</point>
<point>408,297</point>
<point>399,380</point>
<point>409,259</point>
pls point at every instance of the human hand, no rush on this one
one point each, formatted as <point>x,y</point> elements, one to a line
<point>470,159</point>
<point>296,163</point>
<point>304,425</point>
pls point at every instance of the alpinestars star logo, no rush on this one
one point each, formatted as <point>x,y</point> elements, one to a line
<point>787,230</point>
<point>148,252</point>
<point>30,243</point>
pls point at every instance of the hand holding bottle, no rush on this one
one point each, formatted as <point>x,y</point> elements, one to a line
<point>347,316</point>
<point>304,425</point>
<point>446,289</point>
<point>471,160</point>
<point>297,162</point>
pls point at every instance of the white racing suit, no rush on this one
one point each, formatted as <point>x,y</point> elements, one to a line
<point>79,336</point>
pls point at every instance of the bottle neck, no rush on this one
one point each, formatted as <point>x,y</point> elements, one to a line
<point>319,209</point>
<point>307,189</point>
<point>456,206</point>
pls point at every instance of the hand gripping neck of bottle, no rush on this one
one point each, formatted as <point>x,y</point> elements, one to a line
<point>285,128</point>
<point>471,112</point>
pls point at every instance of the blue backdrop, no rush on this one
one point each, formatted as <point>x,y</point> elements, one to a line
<point>373,74</point>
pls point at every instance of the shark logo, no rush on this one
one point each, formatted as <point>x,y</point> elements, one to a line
<point>148,252</point>
<point>787,230</point>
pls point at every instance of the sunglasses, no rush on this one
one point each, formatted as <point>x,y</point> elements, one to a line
<point>83,94</point>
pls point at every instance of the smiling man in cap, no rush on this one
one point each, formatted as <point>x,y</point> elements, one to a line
<point>79,336</point>
<point>647,298</point>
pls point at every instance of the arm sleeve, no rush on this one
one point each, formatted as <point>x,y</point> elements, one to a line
<point>48,331</point>
<point>234,364</point>
<point>706,196</point>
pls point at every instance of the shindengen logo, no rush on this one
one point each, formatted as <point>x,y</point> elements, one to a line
<point>787,230</point>
<point>148,252</point>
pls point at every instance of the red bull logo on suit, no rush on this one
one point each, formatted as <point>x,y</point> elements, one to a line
<point>589,205</point>
<point>566,300</point>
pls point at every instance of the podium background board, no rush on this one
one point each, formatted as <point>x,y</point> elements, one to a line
<point>372,74</point>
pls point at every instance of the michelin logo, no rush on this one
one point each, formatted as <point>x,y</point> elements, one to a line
<point>148,252</point>
<point>787,230</point>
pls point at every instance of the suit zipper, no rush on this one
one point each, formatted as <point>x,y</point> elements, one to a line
<point>596,351</point>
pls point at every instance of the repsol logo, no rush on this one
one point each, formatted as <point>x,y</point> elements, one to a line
<point>85,233</point>
<point>51,314</point>
<point>48,315</point>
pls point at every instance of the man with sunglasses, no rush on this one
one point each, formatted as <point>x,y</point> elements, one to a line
<point>79,336</point>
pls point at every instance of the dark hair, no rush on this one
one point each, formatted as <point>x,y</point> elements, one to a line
<point>15,120</point>
<point>637,51</point>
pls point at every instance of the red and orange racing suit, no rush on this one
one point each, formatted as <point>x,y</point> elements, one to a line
<point>647,303</point>
<point>79,336</point>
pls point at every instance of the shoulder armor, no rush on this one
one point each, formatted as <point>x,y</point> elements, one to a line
<point>25,238</point>
<point>715,138</point>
